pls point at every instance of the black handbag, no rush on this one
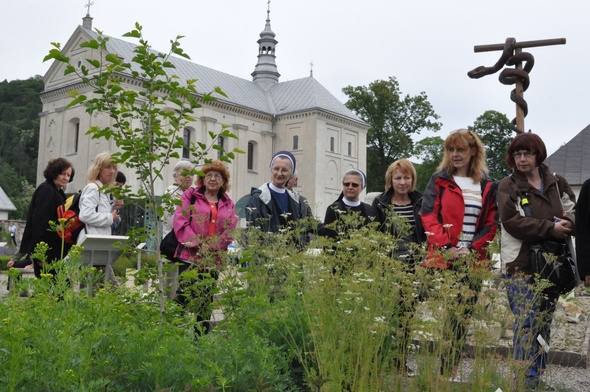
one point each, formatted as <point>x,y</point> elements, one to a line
<point>169,246</point>
<point>559,268</point>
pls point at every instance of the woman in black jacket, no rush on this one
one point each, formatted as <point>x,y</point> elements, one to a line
<point>348,203</point>
<point>401,200</point>
<point>43,208</point>
<point>400,204</point>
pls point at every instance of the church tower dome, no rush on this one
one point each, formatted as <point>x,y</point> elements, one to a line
<point>265,72</point>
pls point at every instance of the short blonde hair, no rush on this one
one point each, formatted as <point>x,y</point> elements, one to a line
<point>101,160</point>
<point>404,166</point>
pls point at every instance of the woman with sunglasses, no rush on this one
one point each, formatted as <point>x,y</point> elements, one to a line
<point>550,202</point>
<point>459,218</point>
<point>348,203</point>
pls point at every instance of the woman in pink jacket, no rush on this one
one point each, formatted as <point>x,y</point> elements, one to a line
<point>203,224</point>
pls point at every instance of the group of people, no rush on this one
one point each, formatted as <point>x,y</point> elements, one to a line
<point>97,211</point>
<point>458,215</point>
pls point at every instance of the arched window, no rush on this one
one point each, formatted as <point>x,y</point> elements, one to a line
<point>220,143</point>
<point>186,153</point>
<point>296,142</point>
<point>251,155</point>
<point>349,149</point>
<point>73,136</point>
<point>332,144</point>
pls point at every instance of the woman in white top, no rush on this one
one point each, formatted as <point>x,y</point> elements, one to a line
<point>95,205</point>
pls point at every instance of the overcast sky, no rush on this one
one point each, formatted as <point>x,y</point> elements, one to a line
<point>426,44</point>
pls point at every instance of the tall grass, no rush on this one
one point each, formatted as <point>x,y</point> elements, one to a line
<point>335,316</point>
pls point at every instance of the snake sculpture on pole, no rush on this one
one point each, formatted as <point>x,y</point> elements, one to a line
<point>512,55</point>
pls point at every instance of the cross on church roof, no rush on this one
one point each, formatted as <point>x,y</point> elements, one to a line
<point>88,5</point>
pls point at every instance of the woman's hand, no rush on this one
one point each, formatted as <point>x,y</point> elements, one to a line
<point>562,228</point>
<point>118,204</point>
<point>458,252</point>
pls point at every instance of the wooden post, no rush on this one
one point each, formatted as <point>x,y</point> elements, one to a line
<point>519,93</point>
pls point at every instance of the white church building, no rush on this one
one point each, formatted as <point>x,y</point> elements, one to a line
<point>267,115</point>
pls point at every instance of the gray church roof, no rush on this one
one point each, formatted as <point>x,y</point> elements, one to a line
<point>572,160</point>
<point>280,98</point>
<point>5,203</point>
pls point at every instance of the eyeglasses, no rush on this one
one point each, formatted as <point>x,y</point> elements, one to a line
<point>352,184</point>
<point>213,175</point>
<point>526,154</point>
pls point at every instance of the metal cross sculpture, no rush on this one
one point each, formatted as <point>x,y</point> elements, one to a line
<point>512,55</point>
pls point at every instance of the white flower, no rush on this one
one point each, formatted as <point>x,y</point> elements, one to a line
<point>348,311</point>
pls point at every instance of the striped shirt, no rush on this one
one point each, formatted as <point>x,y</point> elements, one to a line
<point>472,199</point>
<point>406,212</point>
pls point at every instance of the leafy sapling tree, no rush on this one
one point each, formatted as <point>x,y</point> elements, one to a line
<point>147,116</point>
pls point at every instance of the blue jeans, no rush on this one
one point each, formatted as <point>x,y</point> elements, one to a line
<point>533,312</point>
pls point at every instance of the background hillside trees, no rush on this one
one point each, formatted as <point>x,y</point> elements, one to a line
<point>19,139</point>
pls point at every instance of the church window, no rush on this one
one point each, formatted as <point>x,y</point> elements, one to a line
<point>331,144</point>
<point>251,155</point>
<point>220,143</point>
<point>73,136</point>
<point>187,142</point>
<point>349,149</point>
<point>296,142</point>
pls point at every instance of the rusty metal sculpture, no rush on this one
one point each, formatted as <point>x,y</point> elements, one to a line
<point>512,55</point>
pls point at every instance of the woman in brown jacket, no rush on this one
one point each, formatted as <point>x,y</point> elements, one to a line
<point>551,202</point>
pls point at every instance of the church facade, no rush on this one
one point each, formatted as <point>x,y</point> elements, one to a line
<point>265,114</point>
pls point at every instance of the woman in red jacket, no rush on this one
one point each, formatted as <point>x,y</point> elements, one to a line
<point>203,224</point>
<point>459,216</point>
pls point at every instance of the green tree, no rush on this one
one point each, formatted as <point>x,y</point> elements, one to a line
<point>430,151</point>
<point>19,138</point>
<point>394,119</point>
<point>495,131</point>
<point>147,120</point>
